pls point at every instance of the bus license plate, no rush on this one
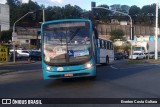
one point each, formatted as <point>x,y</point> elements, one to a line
<point>68,75</point>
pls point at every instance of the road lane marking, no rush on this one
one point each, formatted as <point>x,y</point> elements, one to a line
<point>138,65</point>
<point>113,67</point>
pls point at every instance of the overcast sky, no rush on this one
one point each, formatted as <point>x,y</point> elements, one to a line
<point>85,4</point>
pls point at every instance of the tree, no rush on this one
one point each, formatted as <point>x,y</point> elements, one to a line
<point>102,14</point>
<point>134,12</point>
<point>12,2</point>
<point>125,8</point>
<point>116,48</point>
<point>126,46</point>
<point>147,12</point>
<point>117,34</point>
<point>71,11</point>
<point>5,36</point>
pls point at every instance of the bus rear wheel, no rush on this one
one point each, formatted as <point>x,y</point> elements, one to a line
<point>107,60</point>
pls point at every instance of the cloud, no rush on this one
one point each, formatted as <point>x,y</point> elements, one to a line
<point>45,1</point>
<point>59,1</point>
<point>2,1</point>
<point>25,1</point>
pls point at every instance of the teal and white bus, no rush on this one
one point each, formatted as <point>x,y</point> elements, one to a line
<point>71,48</point>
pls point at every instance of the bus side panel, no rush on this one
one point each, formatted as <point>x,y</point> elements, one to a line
<point>98,55</point>
<point>103,55</point>
<point>110,53</point>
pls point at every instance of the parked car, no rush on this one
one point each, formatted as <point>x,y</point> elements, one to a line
<point>118,55</point>
<point>11,54</point>
<point>125,56</point>
<point>146,55</point>
<point>137,56</point>
<point>152,55</point>
<point>35,55</point>
<point>23,53</point>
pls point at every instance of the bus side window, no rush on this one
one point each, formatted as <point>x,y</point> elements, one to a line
<point>100,41</point>
<point>105,44</point>
<point>102,44</point>
<point>111,46</point>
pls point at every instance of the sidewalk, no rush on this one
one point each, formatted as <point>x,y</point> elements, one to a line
<point>12,63</point>
<point>130,63</point>
<point>16,63</point>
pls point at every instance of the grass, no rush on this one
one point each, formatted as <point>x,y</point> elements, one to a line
<point>142,61</point>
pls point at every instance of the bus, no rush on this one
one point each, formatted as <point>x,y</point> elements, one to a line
<point>71,48</point>
<point>105,52</point>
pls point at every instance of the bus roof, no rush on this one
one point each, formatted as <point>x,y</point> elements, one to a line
<point>65,20</point>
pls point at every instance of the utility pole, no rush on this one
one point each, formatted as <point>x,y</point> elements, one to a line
<point>43,15</point>
<point>156,32</point>
<point>14,35</point>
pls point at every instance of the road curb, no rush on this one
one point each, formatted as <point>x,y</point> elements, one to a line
<point>16,63</point>
<point>6,71</point>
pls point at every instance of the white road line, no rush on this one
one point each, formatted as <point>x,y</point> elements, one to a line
<point>25,71</point>
<point>113,67</point>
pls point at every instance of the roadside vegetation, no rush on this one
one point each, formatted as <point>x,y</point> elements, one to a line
<point>142,61</point>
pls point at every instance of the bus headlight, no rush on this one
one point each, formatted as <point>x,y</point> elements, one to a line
<point>88,65</point>
<point>48,68</point>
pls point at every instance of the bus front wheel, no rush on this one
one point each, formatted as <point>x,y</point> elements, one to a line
<point>93,77</point>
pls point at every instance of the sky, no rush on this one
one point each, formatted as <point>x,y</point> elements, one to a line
<point>86,4</point>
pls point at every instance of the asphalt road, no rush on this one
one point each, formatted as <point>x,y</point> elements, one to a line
<point>114,81</point>
<point>23,67</point>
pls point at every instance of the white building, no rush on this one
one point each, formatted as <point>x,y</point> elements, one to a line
<point>4,17</point>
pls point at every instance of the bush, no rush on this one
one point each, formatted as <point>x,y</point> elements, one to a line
<point>117,34</point>
<point>5,36</point>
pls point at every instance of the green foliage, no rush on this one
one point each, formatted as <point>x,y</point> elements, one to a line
<point>116,48</point>
<point>102,14</point>
<point>126,46</point>
<point>5,36</point>
<point>134,11</point>
<point>142,61</point>
<point>144,15</point>
<point>117,34</point>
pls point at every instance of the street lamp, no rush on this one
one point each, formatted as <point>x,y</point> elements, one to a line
<point>14,35</point>
<point>43,15</point>
<point>120,13</point>
<point>156,32</point>
<point>123,14</point>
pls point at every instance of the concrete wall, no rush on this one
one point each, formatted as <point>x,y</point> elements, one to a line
<point>26,34</point>
<point>4,17</point>
<point>139,30</point>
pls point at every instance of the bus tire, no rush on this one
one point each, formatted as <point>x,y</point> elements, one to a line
<point>107,60</point>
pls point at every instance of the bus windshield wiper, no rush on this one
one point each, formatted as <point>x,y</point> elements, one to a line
<point>74,34</point>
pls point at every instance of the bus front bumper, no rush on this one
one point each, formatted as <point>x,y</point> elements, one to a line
<point>69,74</point>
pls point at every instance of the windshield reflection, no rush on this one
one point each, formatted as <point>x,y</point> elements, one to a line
<point>67,45</point>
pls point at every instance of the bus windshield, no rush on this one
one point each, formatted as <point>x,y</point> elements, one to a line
<point>66,43</point>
